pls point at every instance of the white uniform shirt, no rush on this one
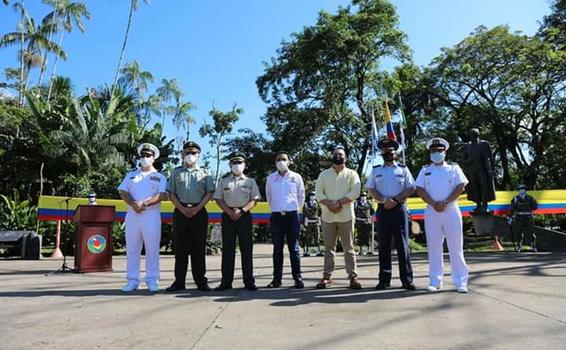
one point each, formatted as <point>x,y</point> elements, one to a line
<point>440,180</point>
<point>390,180</point>
<point>285,193</point>
<point>144,185</point>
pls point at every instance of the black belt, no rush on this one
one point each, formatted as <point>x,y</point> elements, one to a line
<point>381,206</point>
<point>189,205</point>
<point>284,213</point>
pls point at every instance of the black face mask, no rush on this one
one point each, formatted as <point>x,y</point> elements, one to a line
<point>388,157</point>
<point>338,160</point>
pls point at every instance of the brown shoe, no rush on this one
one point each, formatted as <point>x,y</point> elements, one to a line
<point>325,282</point>
<point>354,284</point>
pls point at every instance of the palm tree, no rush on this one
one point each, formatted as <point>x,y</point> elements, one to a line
<point>65,13</point>
<point>182,117</point>
<point>169,91</point>
<point>136,78</point>
<point>91,135</point>
<point>34,38</point>
<point>133,8</point>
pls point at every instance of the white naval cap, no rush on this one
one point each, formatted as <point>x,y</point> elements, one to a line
<point>437,142</point>
<point>148,147</point>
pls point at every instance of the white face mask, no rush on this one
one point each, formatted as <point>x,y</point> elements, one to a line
<point>146,162</point>
<point>437,157</point>
<point>190,159</point>
<point>238,169</point>
<point>282,165</point>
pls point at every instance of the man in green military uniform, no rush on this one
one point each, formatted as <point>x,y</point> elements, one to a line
<point>190,188</point>
<point>364,213</point>
<point>311,224</point>
<point>522,207</point>
<point>237,194</point>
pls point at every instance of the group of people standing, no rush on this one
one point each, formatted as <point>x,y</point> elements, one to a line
<point>191,187</point>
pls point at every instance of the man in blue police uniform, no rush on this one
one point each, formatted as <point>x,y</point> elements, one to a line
<point>390,184</point>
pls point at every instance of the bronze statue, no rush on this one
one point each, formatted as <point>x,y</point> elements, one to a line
<point>478,167</point>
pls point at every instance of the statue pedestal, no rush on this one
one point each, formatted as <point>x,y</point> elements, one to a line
<point>484,222</point>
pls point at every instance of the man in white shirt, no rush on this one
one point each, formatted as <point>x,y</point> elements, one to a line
<point>440,184</point>
<point>285,192</point>
<point>143,190</point>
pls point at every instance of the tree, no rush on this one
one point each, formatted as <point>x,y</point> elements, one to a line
<point>137,79</point>
<point>133,8</point>
<point>222,126</point>
<point>326,78</point>
<point>65,13</point>
<point>33,40</point>
<point>511,86</point>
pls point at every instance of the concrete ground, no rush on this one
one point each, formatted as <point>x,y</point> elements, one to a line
<point>515,302</point>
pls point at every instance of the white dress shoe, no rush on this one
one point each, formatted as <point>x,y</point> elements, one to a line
<point>462,289</point>
<point>152,286</point>
<point>130,287</point>
<point>432,288</point>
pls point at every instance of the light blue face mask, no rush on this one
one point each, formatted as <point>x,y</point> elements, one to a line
<point>437,157</point>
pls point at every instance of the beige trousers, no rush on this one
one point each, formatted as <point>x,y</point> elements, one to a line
<point>331,232</point>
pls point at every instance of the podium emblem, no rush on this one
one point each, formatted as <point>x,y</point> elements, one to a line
<point>96,244</point>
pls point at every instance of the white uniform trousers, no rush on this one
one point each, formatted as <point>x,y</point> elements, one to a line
<point>143,229</point>
<point>446,224</point>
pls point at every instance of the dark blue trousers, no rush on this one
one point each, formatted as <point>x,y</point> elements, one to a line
<point>391,224</point>
<point>285,227</point>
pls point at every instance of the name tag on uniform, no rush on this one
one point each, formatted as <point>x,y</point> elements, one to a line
<point>427,174</point>
<point>226,188</point>
<point>155,178</point>
<point>378,175</point>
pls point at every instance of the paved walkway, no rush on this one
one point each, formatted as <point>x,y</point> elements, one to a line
<point>515,302</point>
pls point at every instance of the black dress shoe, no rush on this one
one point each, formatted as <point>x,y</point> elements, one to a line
<point>409,286</point>
<point>174,288</point>
<point>204,288</point>
<point>274,284</point>
<point>251,287</point>
<point>222,287</point>
<point>382,285</point>
<point>299,284</point>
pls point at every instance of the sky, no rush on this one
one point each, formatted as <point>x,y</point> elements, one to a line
<point>217,48</point>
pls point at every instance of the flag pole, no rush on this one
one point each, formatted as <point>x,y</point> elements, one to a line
<point>401,126</point>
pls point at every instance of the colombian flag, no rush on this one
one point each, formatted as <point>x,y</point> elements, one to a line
<point>389,124</point>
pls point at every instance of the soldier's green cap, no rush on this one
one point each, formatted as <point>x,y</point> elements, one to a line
<point>237,156</point>
<point>191,144</point>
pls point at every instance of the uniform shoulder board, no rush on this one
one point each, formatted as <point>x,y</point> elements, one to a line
<point>402,165</point>
<point>427,165</point>
<point>225,175</point>
<point>452,163</point>
<point>376,166</point>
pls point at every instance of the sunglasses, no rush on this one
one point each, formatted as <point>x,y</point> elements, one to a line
<point>146,155</point>
<point>193,153</point>
<point>236,162</point>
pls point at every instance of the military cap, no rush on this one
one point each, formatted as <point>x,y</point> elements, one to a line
<point>237,156</point>
<point>437,143</point>
<point>148,147</point>
<point>387,144</point>
<point>522,187</point>
<point>191,144</point>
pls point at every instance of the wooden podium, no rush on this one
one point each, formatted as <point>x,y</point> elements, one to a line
<point>93,238</point>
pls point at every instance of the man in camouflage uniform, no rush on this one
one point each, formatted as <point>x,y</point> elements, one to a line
<point>311,224</point>
<point>522,207</point>
<point>364,213</point>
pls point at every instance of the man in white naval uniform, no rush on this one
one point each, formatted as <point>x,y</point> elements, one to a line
<point>440,184</point>
<point>143,190</point>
